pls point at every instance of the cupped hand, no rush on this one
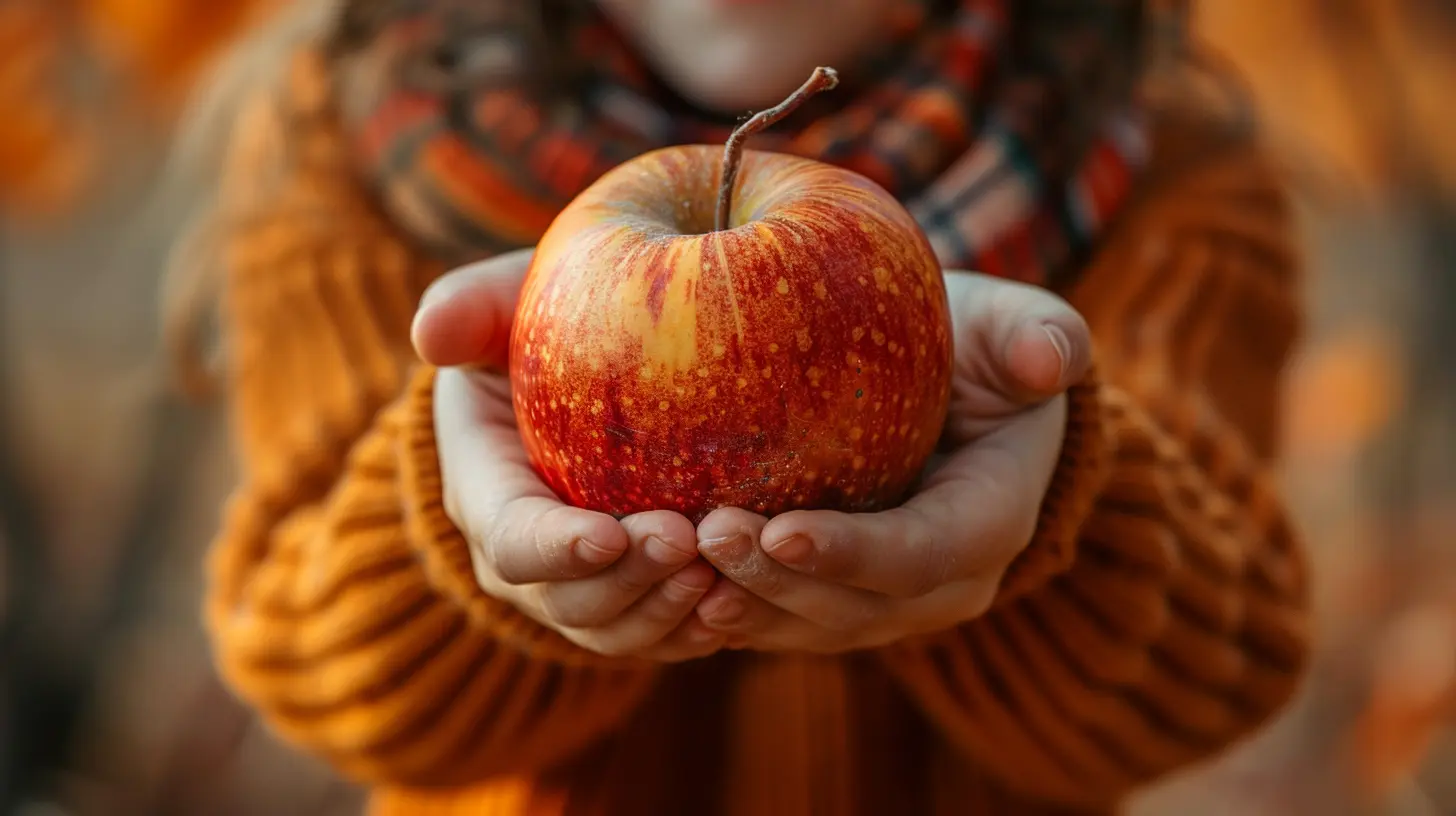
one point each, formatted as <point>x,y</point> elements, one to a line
<point>824,581</point>
<point>621,588</point>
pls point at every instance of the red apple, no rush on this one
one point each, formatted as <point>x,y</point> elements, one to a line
<point>799,358</point>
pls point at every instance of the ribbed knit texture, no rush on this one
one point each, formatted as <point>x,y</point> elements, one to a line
<point>1159,616</point>
<point>330,599</point>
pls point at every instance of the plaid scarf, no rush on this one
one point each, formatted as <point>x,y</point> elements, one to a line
<point>1005,126</point>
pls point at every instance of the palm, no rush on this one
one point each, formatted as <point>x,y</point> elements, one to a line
<point>490,435</point>
<point>827,581</point>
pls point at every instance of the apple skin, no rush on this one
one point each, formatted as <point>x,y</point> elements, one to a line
<point>800,359</point>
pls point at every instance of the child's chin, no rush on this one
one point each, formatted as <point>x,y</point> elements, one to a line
<point>734,80</point>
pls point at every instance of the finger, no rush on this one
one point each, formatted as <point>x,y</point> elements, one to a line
<point>731,609</point>
<point>691,640</point>
<point>1016,344</point>
<point>737,555</point>
<point>761,626</point>
<point>727,522</point>
<point>519,531</point>
<point>465,316</point>
<point>660,544</point>
<point>659,613</point>
<point>969,520</point>
<point>534,539</point>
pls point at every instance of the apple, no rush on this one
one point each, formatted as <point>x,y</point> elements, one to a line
<point>788,348</point>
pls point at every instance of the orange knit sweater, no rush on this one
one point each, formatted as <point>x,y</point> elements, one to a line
<point>1159,615</point>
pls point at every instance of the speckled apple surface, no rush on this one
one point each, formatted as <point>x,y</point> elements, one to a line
<point>799,359</point>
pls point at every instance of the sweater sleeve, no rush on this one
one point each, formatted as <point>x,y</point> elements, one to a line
<point>341,601</point>
<point>1159,614</point>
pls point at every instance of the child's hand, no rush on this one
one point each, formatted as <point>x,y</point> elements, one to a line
<point>826,582</point>
<point>618,588</point>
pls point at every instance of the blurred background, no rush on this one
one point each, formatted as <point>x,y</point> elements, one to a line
<point>110,483</point>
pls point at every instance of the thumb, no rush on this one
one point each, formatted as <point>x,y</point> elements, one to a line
<point>465,317</point>
<point>1017,343</point>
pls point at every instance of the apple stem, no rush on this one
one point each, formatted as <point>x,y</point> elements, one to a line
<point>822,79</point>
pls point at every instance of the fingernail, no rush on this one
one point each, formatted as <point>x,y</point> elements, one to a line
<point>727,547</point>
<point>684,589</point>
<point>433,294</point>
<point>795,549</point>
<point>591,553</point>
<point>701,635</point>
<point>695,579</point>
<point>1063,346</point>
<point>660,552</point>
<point>416,323</point>
<point>722,611</point>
